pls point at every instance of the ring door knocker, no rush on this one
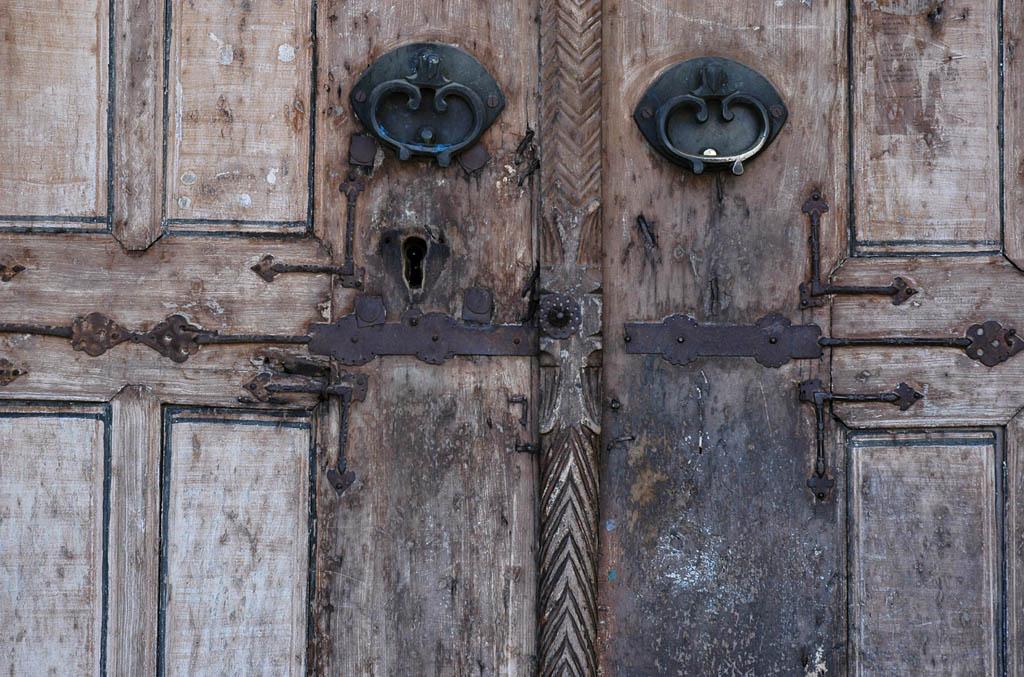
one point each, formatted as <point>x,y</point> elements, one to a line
<point>427,99</point>
<point>710,113</point>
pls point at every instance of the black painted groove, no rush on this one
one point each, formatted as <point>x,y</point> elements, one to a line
<point>1001,127</point>
<point>111,112</point>
<point>851,215</point>
<point>167,75</point>
<point>313,80</point>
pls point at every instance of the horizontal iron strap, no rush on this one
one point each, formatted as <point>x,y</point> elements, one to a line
<point>432,337</point>
<point>888,290</point>
<point>38,330</point>
<point>210,338</point>
<point>899,341</point>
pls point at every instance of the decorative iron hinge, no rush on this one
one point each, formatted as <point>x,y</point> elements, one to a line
<point>268,387</point>
<point>812,391</point>
<point>815,292</point>
<point>772,341</point>
<point>432,337</point>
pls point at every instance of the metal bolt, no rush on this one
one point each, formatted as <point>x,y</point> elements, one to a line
<point>773,340</point>
<point>360,96</point>
<point>627,338</point>
<point>615,404</point>
<point>647,113</point>
<point>492,101</point>
<point>776,111</point>
<point>681,339</point>
<point>434,337</point>
<point>355,339</point>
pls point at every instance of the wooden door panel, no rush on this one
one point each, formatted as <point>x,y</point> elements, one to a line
<point>236,538</point>
<point>715,559</point>
<point>925,552</point>
<point>926,155</point>
<point>238,115</point>
<point>427,563</point>
<point>53,137</point>
<point>54,509</point>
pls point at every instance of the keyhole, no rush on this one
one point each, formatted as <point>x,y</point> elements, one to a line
<point>414,251</point>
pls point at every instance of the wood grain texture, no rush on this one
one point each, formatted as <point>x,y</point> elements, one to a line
<point>207,280</point>
<point>133,547</point>
<point>52,509</point>
<point>426,565</point>
<point>926,112</point>
<point>138,122</point>
<point>239,114</point>
<point>53,109</point>
<point>955,293</point>
<point>236,534</point>
<point>570,394</point>
<point>925,554</point>
<point>704,466</point>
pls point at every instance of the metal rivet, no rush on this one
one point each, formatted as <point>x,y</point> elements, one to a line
<point>773,340</point>
<point>627,338</point>
<point>681,339</point>
<point>360,96</point>
<point>492,101</point>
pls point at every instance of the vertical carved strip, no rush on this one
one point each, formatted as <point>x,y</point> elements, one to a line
<point>570,170</point>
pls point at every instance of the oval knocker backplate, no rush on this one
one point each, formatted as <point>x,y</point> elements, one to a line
<point>427,99</point>
<point>710,113</point>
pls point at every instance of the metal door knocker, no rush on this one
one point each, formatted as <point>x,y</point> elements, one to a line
<point>710,113</point>
<point>427,99</point>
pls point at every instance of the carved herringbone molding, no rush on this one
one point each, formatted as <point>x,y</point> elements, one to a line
<point>570,256</point>
<point>568,555</point>
<point>571,130</point>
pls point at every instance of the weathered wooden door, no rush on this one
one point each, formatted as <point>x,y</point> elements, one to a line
<point>150,522</point>
<point>716,557</point>
<point>230,442</point>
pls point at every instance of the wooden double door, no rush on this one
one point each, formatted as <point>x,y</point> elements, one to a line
<point>211,495</point>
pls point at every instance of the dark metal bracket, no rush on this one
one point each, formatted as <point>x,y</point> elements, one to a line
<point>350,275</point>
<point>774,340</point>
<point>433,338</point>
<point>813,392</point>
<point>348,388</point>
<point>679,339</point>
<point>815,293</point>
